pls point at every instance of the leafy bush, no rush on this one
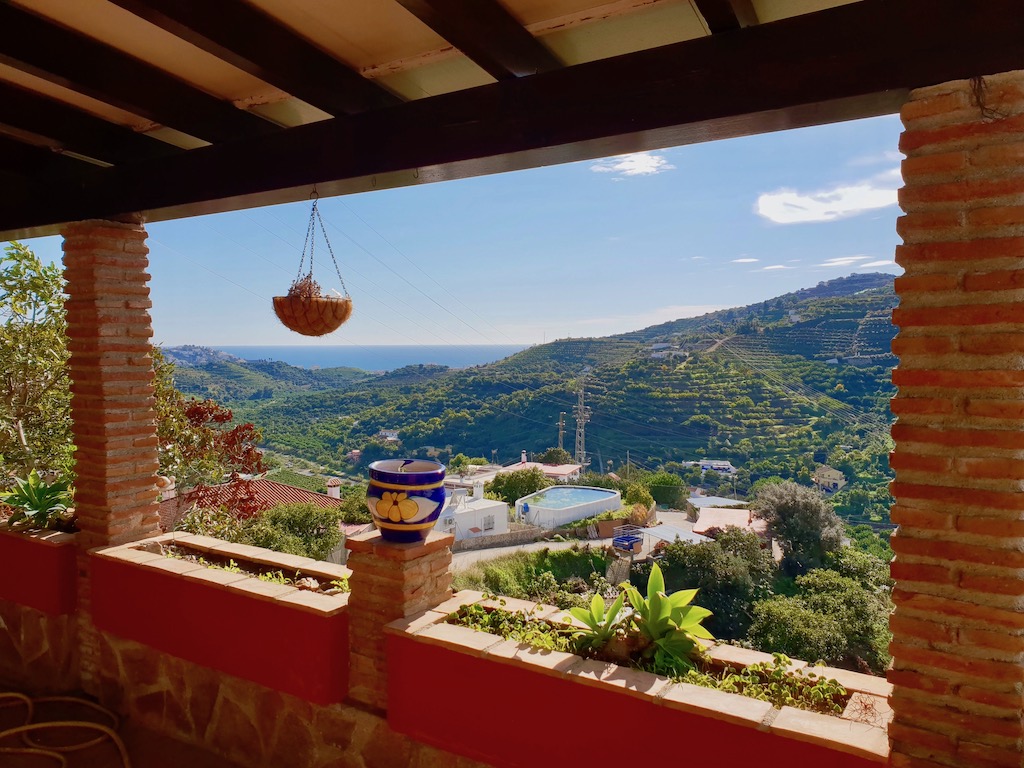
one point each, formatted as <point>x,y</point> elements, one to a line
<point>786,625</point>
<point>296,529</point>
<point>512,486</point>
<point>638,494</point>
<point>521,574</point>
<point>731,573</point>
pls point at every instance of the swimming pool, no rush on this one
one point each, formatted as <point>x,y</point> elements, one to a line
<point>564,504</point>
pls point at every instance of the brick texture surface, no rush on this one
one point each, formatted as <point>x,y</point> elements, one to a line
<point>389,582</point>
<point>959,456</point>
<point>114,423</point>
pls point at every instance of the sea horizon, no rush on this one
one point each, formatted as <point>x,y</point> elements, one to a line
<point>381,357</point>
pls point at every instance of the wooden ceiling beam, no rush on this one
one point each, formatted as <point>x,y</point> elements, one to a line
<point>245,37</point>
<point>35,45</point>
<point>42,168</point>
<point>807,70</point>
<point>726,15</point>
<point>76,130</point>
<point>488,34</point>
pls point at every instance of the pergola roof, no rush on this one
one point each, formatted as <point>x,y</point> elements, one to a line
<point>176,107</point>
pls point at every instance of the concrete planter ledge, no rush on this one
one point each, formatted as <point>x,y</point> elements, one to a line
<point>448,682</point>
<point>277,635</point>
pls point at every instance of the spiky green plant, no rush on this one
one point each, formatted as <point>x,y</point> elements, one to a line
<point>36,503</point>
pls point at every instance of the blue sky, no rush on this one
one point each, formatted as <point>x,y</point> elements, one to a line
<point>586,249</point>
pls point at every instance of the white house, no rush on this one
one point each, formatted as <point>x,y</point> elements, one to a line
<point>470,518</point>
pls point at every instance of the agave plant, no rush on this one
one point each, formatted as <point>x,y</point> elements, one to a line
<point>601,624</point>
<point>668,624</point>
<point>36,503</point>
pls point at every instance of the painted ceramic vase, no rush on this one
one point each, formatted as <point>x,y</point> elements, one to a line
<point>405,497</point>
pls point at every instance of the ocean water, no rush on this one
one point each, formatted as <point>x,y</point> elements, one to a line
<point>378,358</point>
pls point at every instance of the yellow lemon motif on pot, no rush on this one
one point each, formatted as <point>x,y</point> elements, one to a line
<point>396,506</point>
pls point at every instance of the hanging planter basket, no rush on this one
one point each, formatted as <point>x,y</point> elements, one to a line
<point>305,309</point>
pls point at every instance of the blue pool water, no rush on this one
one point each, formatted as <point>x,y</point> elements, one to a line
<point>563,497</point>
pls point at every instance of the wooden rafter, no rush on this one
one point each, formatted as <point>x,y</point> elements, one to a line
<point>245,37</point>
<point>75,130</point>
<point>714,87</point>
<point>726,15</point>
<point>74,61</point>
<point>488,34</point>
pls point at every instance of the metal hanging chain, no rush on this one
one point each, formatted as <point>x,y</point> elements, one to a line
<point>316,213</point>
<point>307,244</point>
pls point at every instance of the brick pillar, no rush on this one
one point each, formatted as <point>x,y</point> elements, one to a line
<point>959,459</point>
<point>389,581</point>
<point>111,371</point>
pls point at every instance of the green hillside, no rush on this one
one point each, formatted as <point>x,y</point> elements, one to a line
<point>776,387</point>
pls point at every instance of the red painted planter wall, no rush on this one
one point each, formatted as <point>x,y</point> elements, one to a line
<point>38,574</point>
<point>509,716</point>
<point>278,646</point>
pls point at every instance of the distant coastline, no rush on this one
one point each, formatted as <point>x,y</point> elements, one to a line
<point>377,358</point>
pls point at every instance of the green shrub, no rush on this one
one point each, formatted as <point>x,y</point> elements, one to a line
<point>296,529</point>
<point>638,494</point>
<point>299,529</point>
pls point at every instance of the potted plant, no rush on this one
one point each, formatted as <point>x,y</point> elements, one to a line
<point>36,538</point>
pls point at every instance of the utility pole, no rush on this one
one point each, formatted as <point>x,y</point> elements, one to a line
<point>561,430</point>
<point>628,468</point>
<point>582,414</point>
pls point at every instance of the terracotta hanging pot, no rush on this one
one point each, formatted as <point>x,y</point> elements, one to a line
<point>305,310</point>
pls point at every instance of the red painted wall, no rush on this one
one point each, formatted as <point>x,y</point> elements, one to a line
<point>280,647</point>
<point>507,716</point>
<point>39,575</point>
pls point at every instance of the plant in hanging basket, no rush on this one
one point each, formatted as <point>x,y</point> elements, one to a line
<point>305,311</point>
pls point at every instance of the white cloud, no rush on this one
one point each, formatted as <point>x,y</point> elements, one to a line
<point>890,156</point>
<point>843,261</point>
<point>882,263</point>
<point>698,258</point>
<point>636,164</point>
<point>789,206</point>
<point>744,261</point>
<point>774,266</point>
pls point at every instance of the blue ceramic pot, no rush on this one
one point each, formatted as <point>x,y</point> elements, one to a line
<point>405,497</point>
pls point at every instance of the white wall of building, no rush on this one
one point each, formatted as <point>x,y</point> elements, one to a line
<point>472,518</point>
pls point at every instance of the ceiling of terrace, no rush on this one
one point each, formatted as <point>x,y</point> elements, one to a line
<point>180,107</point>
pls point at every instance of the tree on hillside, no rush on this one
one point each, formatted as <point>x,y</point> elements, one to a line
<point>637,493</point>
<point>35,399</point>
<point>732,572</point>
<point>804,524</point>
<point>512,486</point>
<point>832,618</point>
<point>458,465</point>
<point>199,445</point>
<point>667,489</point>
<point>555,456</point>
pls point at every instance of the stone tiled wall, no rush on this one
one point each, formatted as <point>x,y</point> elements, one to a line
<point>248,723</point>
<point>38,651</point>
<point>959,459</point>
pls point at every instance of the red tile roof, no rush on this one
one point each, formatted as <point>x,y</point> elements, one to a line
<point>265,493</point>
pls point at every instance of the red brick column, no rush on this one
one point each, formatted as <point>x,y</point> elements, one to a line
<point>959,459</point>
<point>111,370</point>
<point>389,581</point>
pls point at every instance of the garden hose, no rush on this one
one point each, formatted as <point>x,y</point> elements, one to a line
<point>55,752</point>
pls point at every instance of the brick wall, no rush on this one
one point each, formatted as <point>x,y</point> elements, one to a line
<point>959,459</point>
<point>114,424</point>
<point>389,581</point>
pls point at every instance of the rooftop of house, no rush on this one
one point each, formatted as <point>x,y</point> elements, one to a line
<point>710,518</point>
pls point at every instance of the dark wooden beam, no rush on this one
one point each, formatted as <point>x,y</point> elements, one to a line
<point>36,46</point>
<point>487,34</point>
<point>41,168</point>
<point>75,130</point>
<point>726,15</point>
<point>245,37</point>
<point>807,70</point>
